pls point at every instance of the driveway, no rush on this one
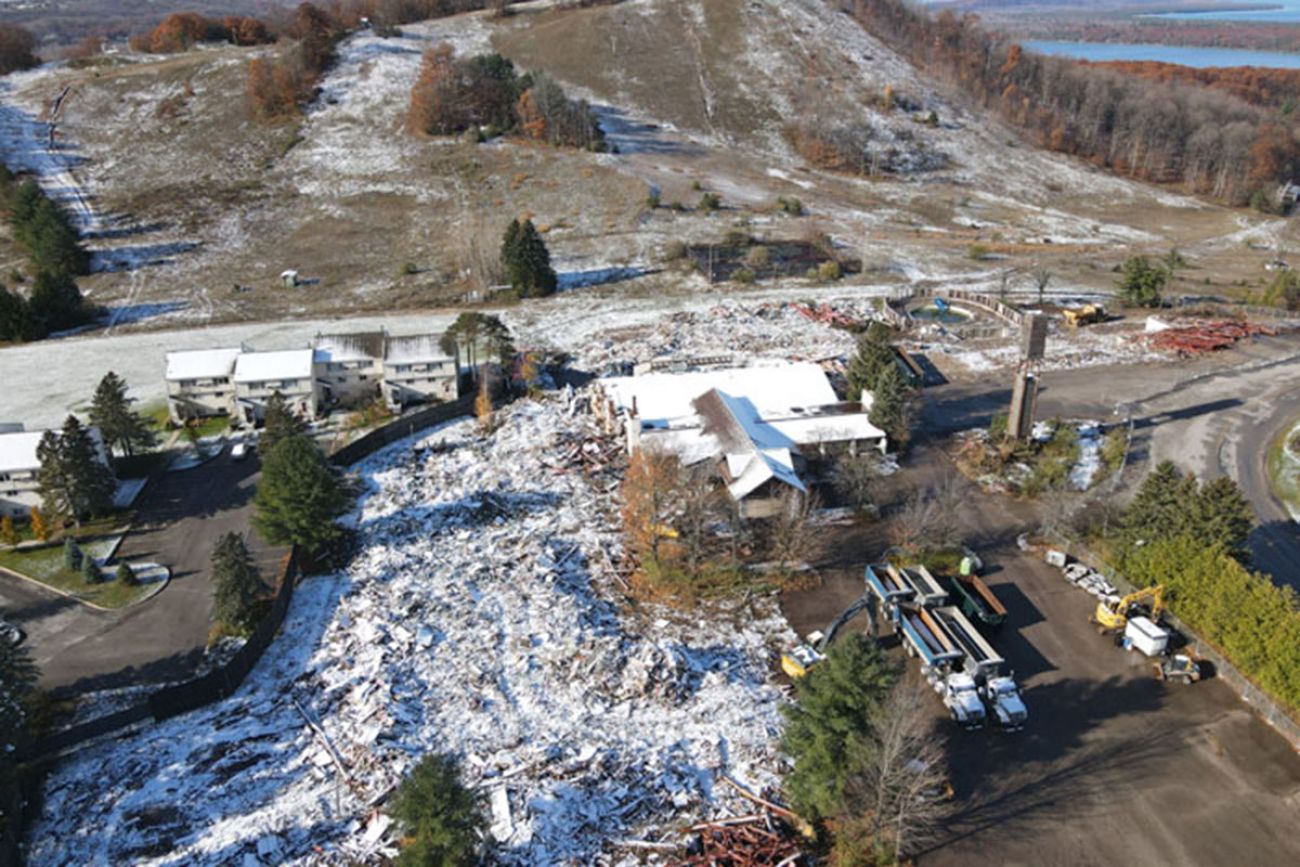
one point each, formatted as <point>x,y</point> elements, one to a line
<point>180,516</point>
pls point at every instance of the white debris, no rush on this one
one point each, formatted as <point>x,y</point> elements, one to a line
<point>476,619</point>
<point>1088,466</point>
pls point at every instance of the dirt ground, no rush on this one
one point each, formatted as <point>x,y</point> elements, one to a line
<point>1114,766</point>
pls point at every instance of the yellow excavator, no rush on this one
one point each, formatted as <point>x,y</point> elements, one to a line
<point>1085,315</point>
<point>1112,616</point>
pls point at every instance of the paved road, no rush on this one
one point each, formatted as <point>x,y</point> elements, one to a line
<point>1211,416</point>
<point>180,517</point>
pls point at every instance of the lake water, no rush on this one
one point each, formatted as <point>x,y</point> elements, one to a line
<point>1284,10</point>
<point>1187,56</point>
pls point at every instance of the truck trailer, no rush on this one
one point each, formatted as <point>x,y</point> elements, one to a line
<point>977,601</point>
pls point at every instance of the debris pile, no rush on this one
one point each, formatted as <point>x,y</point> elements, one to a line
<point>477,618</point>
<point>1203,337</point>
<point>746,841</point>
<point>828,315</point>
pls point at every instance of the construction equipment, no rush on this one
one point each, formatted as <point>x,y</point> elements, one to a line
<point>927,638</point>
<point>1003,698</point>
<point>980,660</point>
<point>1085,315</point>
<point>977,601</point>
<point>1179,668</point>
<point>1112,614</point>
<point>797,662</point>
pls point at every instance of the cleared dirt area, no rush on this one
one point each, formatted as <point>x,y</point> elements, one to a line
<point>1114,766</point>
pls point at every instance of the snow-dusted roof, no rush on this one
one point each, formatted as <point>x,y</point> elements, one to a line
<point>200,363</point>
<point>18,449</point>
<point>768,387</point>
<point>414,348</point>
<point>360,346</point>
<point>265,366</point>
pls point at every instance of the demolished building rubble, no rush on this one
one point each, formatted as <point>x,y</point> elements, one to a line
<point>480,617</point>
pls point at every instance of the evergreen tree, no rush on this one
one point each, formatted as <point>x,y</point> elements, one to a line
<point>238,587</point>
<point>71,555</point>
<point>278,424</point>
<point>18,676</point>
<point>1162,507</point>
<point>110,410</point>
<point>528,262</point>
<point>1141,282</point>
<point>828,731</point>
<point>89,569</point>
<point>16,322</point>
<point>56,301</point>
<point>496,337</point>
<point>874,356</point>
<point>439,814</point>
<point>1224,518</point>
<point>125,574</point>
<point>889,410</point>
<point>72,478</point>
<point>299,497</point>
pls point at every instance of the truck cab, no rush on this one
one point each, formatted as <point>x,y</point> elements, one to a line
<point>1003,697</point>
<point>961,697</point>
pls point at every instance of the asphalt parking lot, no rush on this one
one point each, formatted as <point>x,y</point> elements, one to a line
<point>1114,766</point>
<point>179,518</point>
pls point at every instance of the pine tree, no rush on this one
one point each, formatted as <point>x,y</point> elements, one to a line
<point>874,356</point>
<point>72,478</point>
<point>278,423</point>
<point>527,261</point>
<point>889,410</point>
<point>1224,518</point>
<point>439,814</point>
<point>299,497</point>
<point>18,676</point>
<point>1141,282</point>
<point>8,532</point>
<point>16,322</point>
<point>56,302</point>
<point>238,587</point>
<point>110,410</point>
<point>126,575</point>
<point>828,731</point>
<point>71,555</point>
<point>1162,507</point>
<point>89,569</point>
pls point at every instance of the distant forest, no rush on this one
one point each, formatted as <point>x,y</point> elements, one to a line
<point>1209,141</point>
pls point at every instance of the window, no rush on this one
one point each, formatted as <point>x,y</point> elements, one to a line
<point>362,377</point>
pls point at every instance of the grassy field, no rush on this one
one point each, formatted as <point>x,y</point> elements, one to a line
<point>1284,470</point>
<point>47,565</point>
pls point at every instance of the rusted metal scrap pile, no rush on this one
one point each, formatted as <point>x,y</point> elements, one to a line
<point>759,840</point>
<point>827,315</point>
<point>1203,337</point>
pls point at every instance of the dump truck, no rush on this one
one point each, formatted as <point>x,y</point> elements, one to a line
<point>1003,699</point>
<point>977,601</point>
<point>913,585</point>
<point>925,635</point>
<point>980,660</point>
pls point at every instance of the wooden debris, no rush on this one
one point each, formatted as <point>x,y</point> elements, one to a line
<point>1203,337</point>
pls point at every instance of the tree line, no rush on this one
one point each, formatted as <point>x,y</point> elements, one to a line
<point>1257,85</point>
<point>17,49</point>
<point>55,256</point>
<point>1210,142</point>
<point>484,93</point>
<point>181,31</point>
<point>1192,539</point>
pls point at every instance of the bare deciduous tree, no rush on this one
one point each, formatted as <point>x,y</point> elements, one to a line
<point>1041,278</point>
<point>791,538</point>
<point>854,478</point>
<point>897,803</point>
